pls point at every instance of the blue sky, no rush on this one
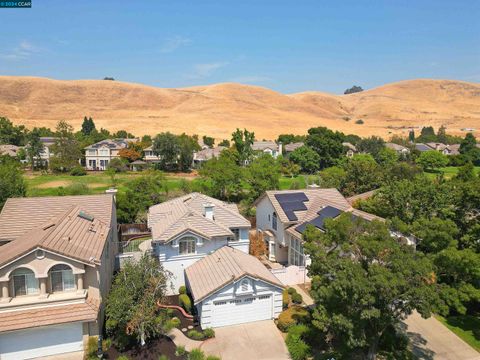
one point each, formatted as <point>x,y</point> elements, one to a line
<point>289,46</point>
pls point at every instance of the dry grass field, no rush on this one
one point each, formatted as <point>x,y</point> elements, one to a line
<point>218,109</point>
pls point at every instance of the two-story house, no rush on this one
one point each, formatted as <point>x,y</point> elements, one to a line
<point>99,155</point>
<point>268,147</point>
<point>149,155</point>
<point>283,215</point>
<point>57,258</point>
<point>188,228</point>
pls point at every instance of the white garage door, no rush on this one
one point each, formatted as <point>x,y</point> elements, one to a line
<point>43,341</point>
<point>243,310</point>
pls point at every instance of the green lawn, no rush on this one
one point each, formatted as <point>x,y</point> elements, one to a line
<point>463,326</point>
<point>449,172</point>
<point>287,182</point>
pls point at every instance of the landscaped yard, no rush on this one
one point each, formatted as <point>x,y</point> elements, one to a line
<point>464,326</point>
<point>449,171</point>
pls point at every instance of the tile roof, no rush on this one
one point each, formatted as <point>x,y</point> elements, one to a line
<point>293,146</point>
<point>262,145</point>
<point>350,146</point>
<point>171,218</point>
<point>111,143</point>
<point>74,234</point>
<point>222,267</point>
<point>207,154</point>
<point>19,215</point>
<point>396,147</point>
<point>43,316</point>
<point>423,147</point>
<point>10,150</point>
<point>363,196</point>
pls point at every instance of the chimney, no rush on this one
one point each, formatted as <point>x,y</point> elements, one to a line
<point>208,211</point>
<point>280,148</point>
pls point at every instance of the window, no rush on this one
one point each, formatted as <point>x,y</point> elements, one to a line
<point>104,152</point>
<point>62,278</point>
<point>236,235</point>
<point>274,221</point>
<point>186,246</point>
<point>24,282</point>
<point>91,152</point>
<point>296,252</point>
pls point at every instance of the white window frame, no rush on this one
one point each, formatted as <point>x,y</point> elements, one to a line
<point>190,241</point>
<point>31,282</point>
<point>296,253</point>
<point>64,273</point>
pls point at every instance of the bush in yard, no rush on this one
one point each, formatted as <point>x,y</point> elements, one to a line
<point>92,347</point>
<point>285,299</point>
<point>185,302</point>
<point>78,171</point>
<point>298,349</point>
<point>163,357</point>
<point>195,335</point>
<point>297,298</point>
<point>196,354</point>
<point>209,333</point>
<point>175,322</point>
<point>292,316</point>
<point>292,291</point>
<point>182,290</point>
<point>180,350</point>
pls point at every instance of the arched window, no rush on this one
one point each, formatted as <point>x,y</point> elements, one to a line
<point>62,278</point>
<point>186,245</point>
<point>24,282</point>
<point>274,221</point>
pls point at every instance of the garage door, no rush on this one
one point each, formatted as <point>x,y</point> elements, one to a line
<point>43,341</point>
<point>242,310</point>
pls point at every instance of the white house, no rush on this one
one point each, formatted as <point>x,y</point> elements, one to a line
<point>282,216</point>
<point>268,147</point>
<point>188,228</point>
<point>350,149</point>
<point>99,155</point>
<point>402,151</point>
<point>150,156</point>
<point>230,287</point>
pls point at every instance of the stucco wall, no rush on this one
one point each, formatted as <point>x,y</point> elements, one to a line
<point>264,209</point>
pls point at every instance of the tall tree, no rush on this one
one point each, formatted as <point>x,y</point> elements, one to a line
<point>34,147</point>
<point>432,160</point>
<point>66,150</point>
<point>208,140</point>
<point>442,135</point>
<point>243,141</point>
<point>326,143</point>
<point>411,135</point>
<point>12,183</point>
<point>188,145</point>
<point>88,126</point>
<point>371,145</point>
<point>468,144</point>
<point>11,134</point>
<point>263,174</point>
<point>167,147</point>
<point>365,283</point>
<point>306,158</point>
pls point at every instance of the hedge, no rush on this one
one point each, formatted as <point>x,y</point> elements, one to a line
<point>185,302</point>
<point>297,298</point>
<point>292,316</point>
<point>285,299</point>
<point>298,349</point>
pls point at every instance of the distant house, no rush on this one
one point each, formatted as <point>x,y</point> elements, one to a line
<point>56,267</point>
<point>422,147</point>
<point>350,149</point>
<point>207,154</point>
<point>401,150</point>
<point>268,147</point>
<point>289,148</point>
<point>99,155</point>
<point>188,228</point>
<point>10,150</point>
<point>46,153</point>
<point>443,148</point>
<point>150,156</point>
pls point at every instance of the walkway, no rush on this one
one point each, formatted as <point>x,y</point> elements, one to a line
<point>180,339</point>
<point>432,340</point>
<point>307,299</point>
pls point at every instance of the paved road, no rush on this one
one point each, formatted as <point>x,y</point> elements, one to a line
<point>432,340</point>
<point>259,340</point>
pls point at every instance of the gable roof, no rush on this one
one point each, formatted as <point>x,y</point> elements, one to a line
<point>263,145</point>
<point>396,147</point>
<point>74,234</point>
<point>20,215</point>
<point>350,146</point>
<point>293,146</point>
<point>207,154</point>
<point>174,217</point>
<point>115,144</point>
<point>423,147</point>
<point>223,267</point>
<point>10,150</point>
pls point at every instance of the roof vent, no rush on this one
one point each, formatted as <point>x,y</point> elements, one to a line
<point>85,216</point>
<point>208,211</point>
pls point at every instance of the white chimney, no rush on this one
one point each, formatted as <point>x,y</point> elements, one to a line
<point>209,210</point>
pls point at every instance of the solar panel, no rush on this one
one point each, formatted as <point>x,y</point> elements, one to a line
<point>291,202</point>
<point>328,212</point>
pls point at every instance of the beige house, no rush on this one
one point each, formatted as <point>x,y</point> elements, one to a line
<point>57,258</point>
<point>207,154</point>
<point>99,155</point>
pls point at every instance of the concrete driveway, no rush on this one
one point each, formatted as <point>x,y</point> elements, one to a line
<point>432,340</point>
<point>259,340</point>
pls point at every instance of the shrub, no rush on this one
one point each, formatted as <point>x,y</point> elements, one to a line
<point>195,335</point>
<point>182,290</point>
<point>185,302</point>
<point>163,357</point>
<point>292,316</point>
<point>175,322</point>
<point>359,122</point>
<point>297,298</point>
<point>209,333</point>
<point>297,348</point>
<point>292,291</point>
<point>285,299</point>
<point>78,171</point>
<point>180,350</point>
<point>92,347</point>
<point>196,354</point>
<point>106,344</point>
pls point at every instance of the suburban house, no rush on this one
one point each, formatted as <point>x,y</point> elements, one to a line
<point>10,150</point>
<point>207,154</point>
<point>230,287</point>
<point>188,228</point>
<point>402,151</point>
<point>289,148</point>
<point>268,147</point>
<point>56,264</point>
<point>350,149</point>
<point>149,155</point>
<point>46,153</point>
<point>283,215</point>
<point>452,149</point>
<point>98,155</point>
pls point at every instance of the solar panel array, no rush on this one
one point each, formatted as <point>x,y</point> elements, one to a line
<point>291,202</point>
<point>328,212</point>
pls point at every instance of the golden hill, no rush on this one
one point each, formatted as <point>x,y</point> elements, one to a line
<point>218,109</point>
